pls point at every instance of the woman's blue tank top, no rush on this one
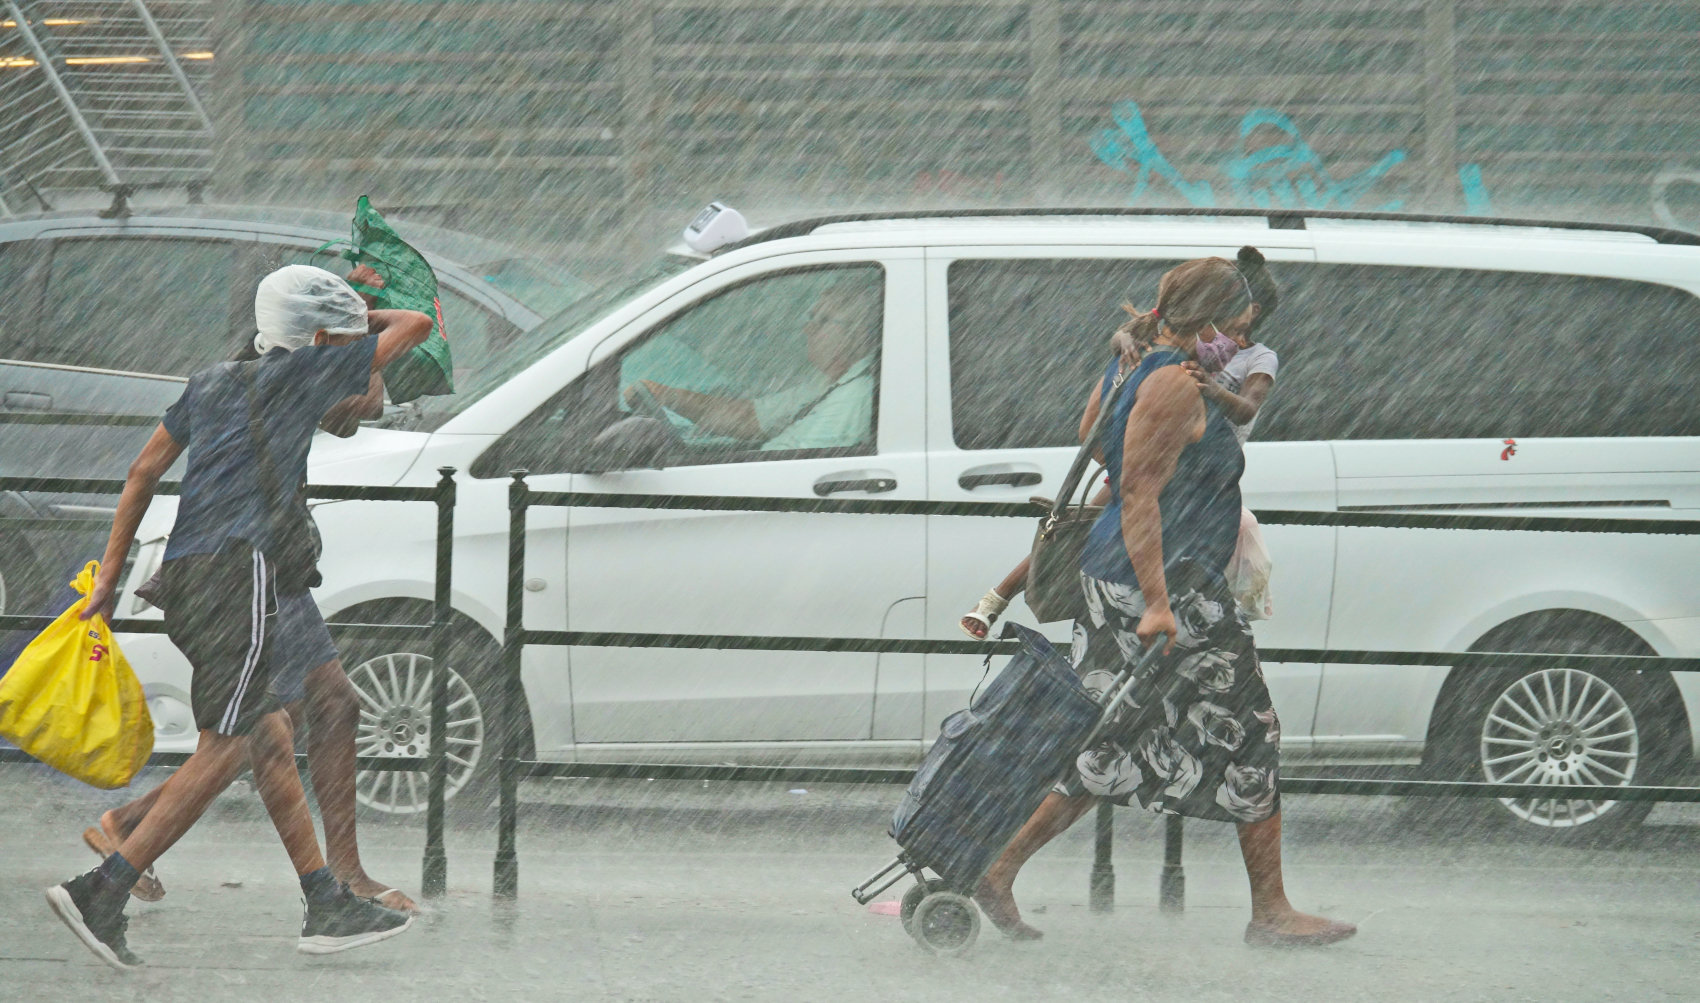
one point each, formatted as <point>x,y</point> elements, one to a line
<point>1200,506</point>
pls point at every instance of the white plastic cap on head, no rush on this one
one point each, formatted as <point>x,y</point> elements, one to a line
<point>296,302</point>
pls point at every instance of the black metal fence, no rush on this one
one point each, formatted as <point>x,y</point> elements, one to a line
<point>511,702</point>
<point>434,867</point>
<point>521,498</point>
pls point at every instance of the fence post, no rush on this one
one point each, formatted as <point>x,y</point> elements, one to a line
<point>1171,887</point>
<point>1102,893</point>
<point>505,881</point>
<point>434,877</point>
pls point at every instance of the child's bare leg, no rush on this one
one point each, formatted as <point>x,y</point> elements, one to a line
<point>271,755</point>
<point>122,820</point>
<point>977,622</point>
<point>115,825</point>
<point>180,803</point>
<point>1016,581</point>
<point>333,711</point>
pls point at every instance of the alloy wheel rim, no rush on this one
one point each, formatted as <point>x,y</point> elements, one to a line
<point>1562,727</point>
<point>395,722</point>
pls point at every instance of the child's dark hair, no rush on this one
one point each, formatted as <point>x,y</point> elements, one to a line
<point>1264,292</point>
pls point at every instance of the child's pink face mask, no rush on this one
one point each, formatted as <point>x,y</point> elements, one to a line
<point>1215,353</point>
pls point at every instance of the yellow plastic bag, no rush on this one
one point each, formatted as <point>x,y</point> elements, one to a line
<point>72,701</point>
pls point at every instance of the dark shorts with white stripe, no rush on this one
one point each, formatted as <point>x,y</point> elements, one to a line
<point>221,612</point>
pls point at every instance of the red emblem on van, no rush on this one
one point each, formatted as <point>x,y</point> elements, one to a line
<point>1510,449</point>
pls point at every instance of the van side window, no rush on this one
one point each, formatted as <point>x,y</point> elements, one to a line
<point>1377,352</point>
<point>782,366</point>
<point>17,321</point>
<point>1028,337</point>
<point>138,304</point>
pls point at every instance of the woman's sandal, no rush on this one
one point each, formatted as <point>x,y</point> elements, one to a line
<point>1333,933</point>
<point>147,887</point>
<point>977,623</point>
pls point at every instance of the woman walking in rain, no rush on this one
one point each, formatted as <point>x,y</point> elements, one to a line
<point>1232,370</point>
<point>1197,735</point>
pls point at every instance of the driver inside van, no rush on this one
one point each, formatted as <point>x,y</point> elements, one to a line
<point>830,406</point>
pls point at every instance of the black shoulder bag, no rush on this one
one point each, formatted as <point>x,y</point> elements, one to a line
<point>295,543</point>
<point>1053,576</point>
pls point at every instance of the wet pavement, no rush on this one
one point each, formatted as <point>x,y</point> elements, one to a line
<point>685,891</point>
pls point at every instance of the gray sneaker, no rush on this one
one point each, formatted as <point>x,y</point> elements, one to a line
<point>97,917</point>
<point>346,922</point>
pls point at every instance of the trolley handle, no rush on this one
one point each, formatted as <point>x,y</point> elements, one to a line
<point>1118,691</point>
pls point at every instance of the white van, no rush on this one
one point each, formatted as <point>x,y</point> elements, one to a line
<point>1453,365</point>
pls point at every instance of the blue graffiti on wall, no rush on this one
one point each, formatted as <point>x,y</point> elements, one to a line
<point>1287,174</point>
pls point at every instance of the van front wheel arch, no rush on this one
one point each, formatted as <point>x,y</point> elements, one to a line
<point>1558,724</point>
<point>393,681</point>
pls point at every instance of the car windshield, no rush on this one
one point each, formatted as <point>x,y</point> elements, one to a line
<point>429,413</point>
<point>545,290</point>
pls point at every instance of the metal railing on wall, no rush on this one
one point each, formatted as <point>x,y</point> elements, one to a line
<point>521,498</point>
<point>434,865</point>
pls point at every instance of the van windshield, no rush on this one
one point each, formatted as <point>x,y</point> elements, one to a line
<point>429,413</point>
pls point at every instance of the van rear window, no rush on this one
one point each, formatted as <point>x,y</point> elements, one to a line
<point>1367,351</point>
<point>1374,352</point>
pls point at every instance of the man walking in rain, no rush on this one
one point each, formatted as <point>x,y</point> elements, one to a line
<point>239,541</point>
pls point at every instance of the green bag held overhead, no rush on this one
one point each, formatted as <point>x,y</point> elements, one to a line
<point>409,284</point>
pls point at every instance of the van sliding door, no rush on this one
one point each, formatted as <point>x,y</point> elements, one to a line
<point>1016,338</point>
<point>1473,389</point>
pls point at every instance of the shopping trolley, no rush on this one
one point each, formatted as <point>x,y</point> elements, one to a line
<point>992,764</point>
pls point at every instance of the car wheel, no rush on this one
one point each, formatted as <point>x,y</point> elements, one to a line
<point>1564,725</point>
<point>393,683</point>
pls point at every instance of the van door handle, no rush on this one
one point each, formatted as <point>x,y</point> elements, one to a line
<point>20,400</point>
<point>1013,478</point>
<point>872,485</point>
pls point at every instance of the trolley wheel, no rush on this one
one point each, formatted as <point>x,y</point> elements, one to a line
<point>945,923</point>
<point>912,900</point>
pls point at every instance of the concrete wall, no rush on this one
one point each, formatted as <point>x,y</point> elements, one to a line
<point>609,121</point>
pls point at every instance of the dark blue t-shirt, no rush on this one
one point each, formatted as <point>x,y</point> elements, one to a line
<point>1200,505</point>
<point>221,498</point>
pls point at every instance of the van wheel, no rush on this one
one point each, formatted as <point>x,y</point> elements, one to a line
<point>1565,725</point>
<point>393,682</point>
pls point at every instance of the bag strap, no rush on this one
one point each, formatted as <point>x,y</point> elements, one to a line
<point>269,484</point>
<point>1083,458</point>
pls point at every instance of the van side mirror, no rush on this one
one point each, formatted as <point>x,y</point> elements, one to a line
<point>630,444</point>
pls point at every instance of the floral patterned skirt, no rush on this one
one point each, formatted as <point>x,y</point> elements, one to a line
<point>1197,734</point>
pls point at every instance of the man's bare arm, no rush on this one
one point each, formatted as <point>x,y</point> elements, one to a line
<point>398,332</point>
<point>155,459</point>
<point>344,419</point>
<point>729,416</point>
